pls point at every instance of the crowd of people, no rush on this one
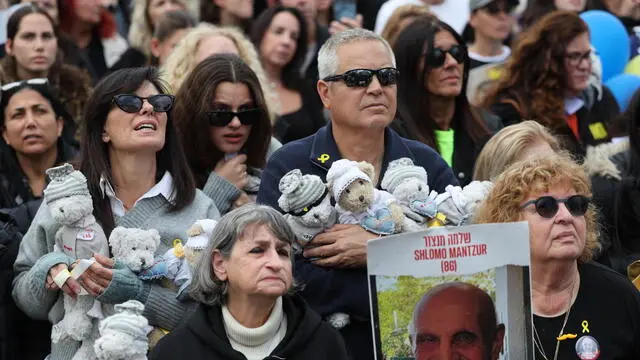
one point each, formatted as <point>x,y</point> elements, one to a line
<point>181,110</point>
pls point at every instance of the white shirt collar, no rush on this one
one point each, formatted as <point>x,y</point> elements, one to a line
<point>164,187</point>
<point>572,105</point>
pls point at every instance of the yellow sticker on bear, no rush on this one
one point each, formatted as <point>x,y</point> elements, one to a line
<point>598,131</point>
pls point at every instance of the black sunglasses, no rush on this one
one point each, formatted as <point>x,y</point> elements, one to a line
<point>223,118</point>
<point>133,103</point>
<point>437,56</point>
<point>547,206</point>
<point>363,77</point>
<point>494,7</point>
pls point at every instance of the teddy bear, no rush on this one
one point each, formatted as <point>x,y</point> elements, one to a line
<point>307,205</point>
<point>359,202</point>
<point>123,335</point>
<point>456,205</point>
<point>79,236</point>
<point>408,184</point>
<point>135,248</point>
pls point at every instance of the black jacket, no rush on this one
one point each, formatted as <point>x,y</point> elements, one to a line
<point>595,115</point>
<point>204,337</point>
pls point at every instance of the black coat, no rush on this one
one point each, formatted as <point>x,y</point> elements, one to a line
<point>204,337</point>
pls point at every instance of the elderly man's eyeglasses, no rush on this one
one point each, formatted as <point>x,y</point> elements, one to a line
<point>133,103</point>
<point>363,77</point>
<point>575,58</point>
<point>547,206</point>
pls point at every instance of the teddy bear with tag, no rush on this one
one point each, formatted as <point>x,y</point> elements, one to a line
<point>123,335</point>
<point>359,202</point>
<point>307,205</point>
<point>79,236</point>
<point>457,205</point>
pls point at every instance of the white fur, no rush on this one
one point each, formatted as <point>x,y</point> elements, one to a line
<point>134,247</point>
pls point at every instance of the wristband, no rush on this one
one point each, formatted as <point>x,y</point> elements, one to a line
<point>61,278</point>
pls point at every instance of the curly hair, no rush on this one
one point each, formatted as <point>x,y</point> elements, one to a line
<point>141,30</point>
<point>393,27</point>
<point>522,179</point>
<point>534,79</point>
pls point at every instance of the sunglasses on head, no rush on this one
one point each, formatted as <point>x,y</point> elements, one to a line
<point>133,103</point>
<point>547,206</point>
<point>363,77</point>
<point>223,118</point>
<point>495,7</point>
<point>437,56</point>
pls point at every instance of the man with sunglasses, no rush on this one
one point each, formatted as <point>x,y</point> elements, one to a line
<point>358,87</point>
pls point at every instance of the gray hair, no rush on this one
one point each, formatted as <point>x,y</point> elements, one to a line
<point>328,61</point>
<point>206,288</point>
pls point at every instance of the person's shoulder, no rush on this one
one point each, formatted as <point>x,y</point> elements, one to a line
<point>173,344</point>
<point>607,280</point>
<point>424,154</point>
<point>294,150</point>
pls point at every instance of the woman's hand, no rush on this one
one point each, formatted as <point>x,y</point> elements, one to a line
<point>98,276</point>
<point>70,286</point>
<point>233,170</point>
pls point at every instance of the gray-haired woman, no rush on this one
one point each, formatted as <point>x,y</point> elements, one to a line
<point>247,310</point>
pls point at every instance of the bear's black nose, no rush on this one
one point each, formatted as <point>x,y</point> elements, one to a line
<point>361,198</point>
<point>143,262</point>
<point>62,210</point>
<point>316,216</point>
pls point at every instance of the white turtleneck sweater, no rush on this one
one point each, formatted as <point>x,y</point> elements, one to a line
<point>257,343</point>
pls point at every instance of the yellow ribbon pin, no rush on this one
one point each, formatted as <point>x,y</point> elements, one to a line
<point>585,326</point>
<point>324,158</point>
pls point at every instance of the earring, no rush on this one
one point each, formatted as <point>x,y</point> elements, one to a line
<point>105,137</point>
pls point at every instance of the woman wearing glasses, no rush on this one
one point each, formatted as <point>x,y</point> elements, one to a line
<point>222,120</point>
<point>280,36</point>
<point>547,79</point>
<point>432,105</point>
<point>580,308</point>
<point>138,177</point>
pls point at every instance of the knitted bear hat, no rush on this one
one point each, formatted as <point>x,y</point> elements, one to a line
<point>300,191</point>
<point>341,174</point>
<point>400,170</point>
<point>199,239</point>
<point>128,319</point>
<point>65,181</point>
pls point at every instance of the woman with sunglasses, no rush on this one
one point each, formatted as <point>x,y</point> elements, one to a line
<point>575,302</point>
<point>432,104</point>
<point>222,120</point>
<point>138,177</point>
<point>547,79</point>
<point>280,35</point>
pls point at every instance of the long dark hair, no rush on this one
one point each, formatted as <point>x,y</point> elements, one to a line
<point>13,24</point>
<point>536,10</point>
<point>194,100</point>
<point>94,154</point>
<point>413,105</point>
<point>291,77</point>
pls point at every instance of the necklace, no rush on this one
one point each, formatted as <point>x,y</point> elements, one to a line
<point>536,338</point>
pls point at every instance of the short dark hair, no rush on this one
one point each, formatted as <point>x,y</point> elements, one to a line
<point>171,22</point>
<point>13,24</point>
<point>291,77</point>
<point>94,156</point>
<point>193,102</point>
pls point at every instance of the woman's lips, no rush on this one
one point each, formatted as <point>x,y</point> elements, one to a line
<point>233,138</point>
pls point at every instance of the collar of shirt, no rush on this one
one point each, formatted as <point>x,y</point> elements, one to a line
<point>164,187</point>
<point>572,105</point>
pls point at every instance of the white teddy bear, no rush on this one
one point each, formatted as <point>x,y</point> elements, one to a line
<point>135,248</point>
<point>123,336</point>
<point>408,184</point>
<point>79,236</point>
<point>457,204</point>
<point>307,205</point>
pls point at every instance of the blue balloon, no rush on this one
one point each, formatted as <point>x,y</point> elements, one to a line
<point>611,40</point>
<point>623,87</point>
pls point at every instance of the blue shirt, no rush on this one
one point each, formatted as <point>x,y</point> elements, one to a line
<point>329,290</point>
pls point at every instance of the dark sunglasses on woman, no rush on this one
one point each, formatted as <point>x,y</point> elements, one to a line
<point>437,56</point>
<point>495,7</point>
<point>363,77</point>
<point>133,103</point>
<point>223,118</point>
<point>547,206</point>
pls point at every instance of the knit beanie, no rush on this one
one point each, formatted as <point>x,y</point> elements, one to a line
<point>200,241</point>
<point>299,191</point>
<point>341,174</point>
<point>400,170</point>
<point>65,181</point>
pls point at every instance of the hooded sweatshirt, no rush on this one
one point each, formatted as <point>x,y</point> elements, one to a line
<point>204,337</point>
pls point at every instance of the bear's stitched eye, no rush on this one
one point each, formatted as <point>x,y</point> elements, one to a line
<point>133,249</point>
<point>361,182</point>
<point>419,187</point>
<point>348,191</point>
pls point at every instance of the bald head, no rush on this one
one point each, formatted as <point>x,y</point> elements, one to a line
<point>456,321</point>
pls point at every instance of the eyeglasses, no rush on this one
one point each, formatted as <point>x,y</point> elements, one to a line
<point>576,58</point>
<point>547,206</point>
<point>363,77</point>
<point>437,56</point>
<point>495,7</point>
<point>15,84</point>
<point>222,118</point>
<point>133,103</point>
